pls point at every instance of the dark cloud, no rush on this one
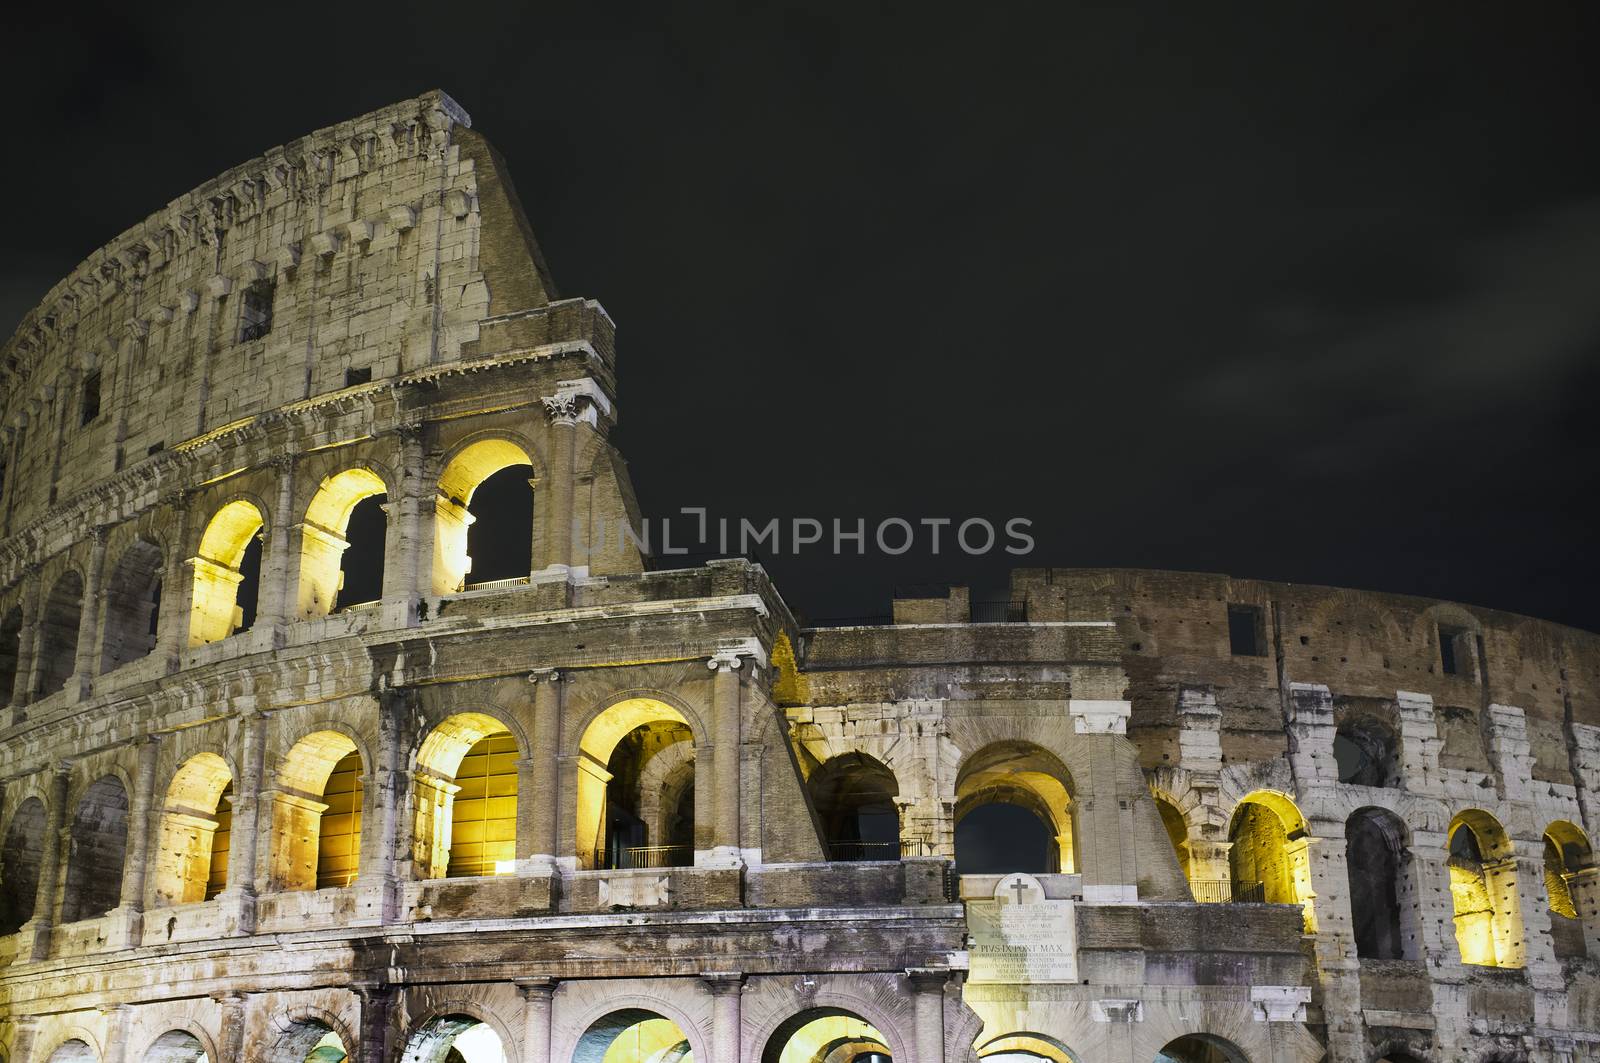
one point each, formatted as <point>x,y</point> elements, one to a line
<point>1291,291</point>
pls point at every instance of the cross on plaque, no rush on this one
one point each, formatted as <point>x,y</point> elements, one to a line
<point>1020,887</point>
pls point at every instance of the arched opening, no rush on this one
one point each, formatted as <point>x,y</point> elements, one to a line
<point>1366,754</point>
<point>636,761</point>
<point>307,1041</point>
<point>58,637</point>
<point>196,824</point>
<point>1025,1048</point>
<point>466,798</point>
<point>10,649</point>
<point>455,1039</point>
<point>1270,861</point>
<point>73,1051</point>
<point>854,796</point>
<point>177,1046</point>
<point>1014,812</point>
<point>99,847</point>
<point>20,855</point>
<point>341,543</point>
<point>1177,833</point>
<point>826,1035</point>
<point>1200,1048</point>
<point>133,602</point>
<point>227,574</point>
<point>1483,891</point>
<point>633,1035</point>
<point>1570,885</point>
<point>1374,863</point>
<point>316,814</point>
<point>500,545</point>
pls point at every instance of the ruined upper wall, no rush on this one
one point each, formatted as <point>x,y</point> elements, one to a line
<point>384,242</point>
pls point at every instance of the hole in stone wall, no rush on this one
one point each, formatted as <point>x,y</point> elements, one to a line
<point>99,847</point>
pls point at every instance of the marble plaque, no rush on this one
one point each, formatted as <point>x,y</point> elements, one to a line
<point>1021,937</point>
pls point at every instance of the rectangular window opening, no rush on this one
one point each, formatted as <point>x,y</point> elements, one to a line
<point>255,319</point>
<point>352,377</point>
<point>1453,651</point>
<point>1247,634</point>
<point>90,408</point>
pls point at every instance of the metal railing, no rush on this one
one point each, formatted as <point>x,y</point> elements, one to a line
<point>999,613</point>
<point>645,856</point>
<point>255,330</point>
<point>1224,891</point>
<point>853,851</point>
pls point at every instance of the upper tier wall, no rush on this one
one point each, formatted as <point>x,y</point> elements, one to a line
<point>385,241</point>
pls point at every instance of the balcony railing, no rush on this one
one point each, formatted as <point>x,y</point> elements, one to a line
<point>999,612</point>
<point>1223,891</point>
<point>645,856</point>
<point>849,852</point>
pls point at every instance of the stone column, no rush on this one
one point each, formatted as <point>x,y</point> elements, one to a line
<point>1105,813</point>
<point>141,827</point>
<point>726,690</point>
<point>118,1017</point>
<point>27,1030</point>
<point>384,814</point>
<point>727,1022</point>
<point>1538,950</point>
<point>28,643</point>
<point>37,929</point>
<point>177,589</point>
<point>408,566</point>
<point>574,401</point>
<point>373,1034</point>
<point>242,859</point>
<point>563,410</point>
<point>543,774</point>
<point>83,665</point>
<point>928,985</point>
<point>538,996</point>
<point>230,1045</point>
<point>275,603</point>
<point>1434,907</point>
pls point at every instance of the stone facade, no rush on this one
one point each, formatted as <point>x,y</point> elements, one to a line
<point>602,804</point>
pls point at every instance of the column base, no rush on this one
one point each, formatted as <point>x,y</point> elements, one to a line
<point>723,857</point>
<point>377,900</point>
<point>35,940</point>
<point>238,911</point>
<point>124,928</point>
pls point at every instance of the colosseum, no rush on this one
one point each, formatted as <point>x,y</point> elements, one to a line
<point>567,801</point>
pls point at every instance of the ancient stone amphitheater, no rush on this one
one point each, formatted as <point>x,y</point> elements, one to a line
<point>564,801</point>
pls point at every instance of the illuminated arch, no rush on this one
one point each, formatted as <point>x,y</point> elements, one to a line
<point>1177,828</point>
<point>20,857</point>
<point>316,814</point>
<point>221,575</point>
<point>1027,777</point>
<point>1571,887</point>
<point>633,729</point>
<point>1025,1048</point>
<point>1271,860</point>
<point>196,825</point>
<point>75,1050</point>
<point>462,476</point>
<point>1483,891</point>
<point>177,1046</point>
<point>633,1035</point>
<point>854,796</point>
<point>822,1035</point>
<point>133,599</point>
<point>323,537</point>
<point>474,1038</point>
<point>307,1035</point>
<point>465,790</point>
<point>98,850</point>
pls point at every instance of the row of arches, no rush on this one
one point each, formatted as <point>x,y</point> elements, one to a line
<point>640,1035</point>
<point>1014,811</point>
<point>1268,861</point>
<point>342,546</point>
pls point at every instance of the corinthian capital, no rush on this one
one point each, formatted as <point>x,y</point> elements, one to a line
<point>577,400</point>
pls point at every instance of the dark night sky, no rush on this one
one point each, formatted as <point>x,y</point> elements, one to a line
<point>1297,291</point>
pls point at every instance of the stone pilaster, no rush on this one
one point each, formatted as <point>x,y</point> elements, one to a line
<point>927,983</point>
<point>410,534</point>
<point>727,1022</point>
<point>726,709</point>
<point>239,896</point>
<point>275,604</point>
<point>385,843</point>
<point>543,772</point>
<point>1419,741</point>
<point>93,607</point>
<point>1511,752</point>
<point>372,1037</point>
<point>1311,731</point>
<point>142,825</point>
<point>36,932</point>
<point>538,1001</point>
